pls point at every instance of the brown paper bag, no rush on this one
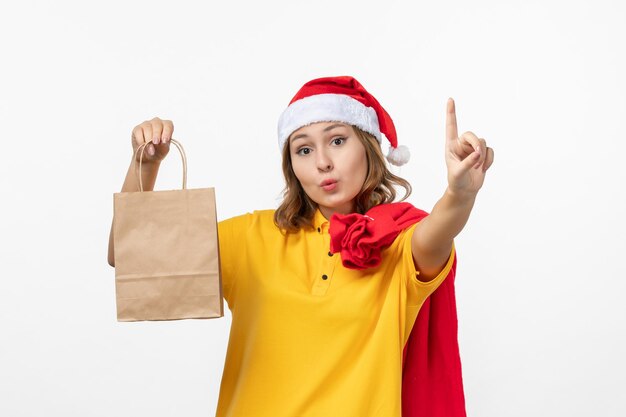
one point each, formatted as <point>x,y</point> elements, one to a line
<point>166,253</point>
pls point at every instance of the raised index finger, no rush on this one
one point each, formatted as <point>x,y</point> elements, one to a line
<point>451,131</point>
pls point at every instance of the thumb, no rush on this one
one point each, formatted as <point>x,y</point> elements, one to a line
<point>148,150</point>
<point>469,161</point>
<point>144,152</point>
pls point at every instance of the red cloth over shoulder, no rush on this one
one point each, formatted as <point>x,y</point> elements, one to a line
<point>432,384</point>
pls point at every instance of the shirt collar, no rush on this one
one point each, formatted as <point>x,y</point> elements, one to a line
<point>320,223</point>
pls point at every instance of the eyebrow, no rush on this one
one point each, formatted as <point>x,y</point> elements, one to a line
<point>304,135</point>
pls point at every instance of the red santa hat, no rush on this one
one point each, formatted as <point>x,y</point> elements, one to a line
<point>341,99</point>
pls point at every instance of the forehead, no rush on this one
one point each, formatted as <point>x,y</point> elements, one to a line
<point>319,128</point>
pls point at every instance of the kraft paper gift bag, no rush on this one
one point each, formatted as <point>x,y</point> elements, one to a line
<point>166,252</point>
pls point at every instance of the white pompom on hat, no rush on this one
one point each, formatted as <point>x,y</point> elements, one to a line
<point>341,99</point>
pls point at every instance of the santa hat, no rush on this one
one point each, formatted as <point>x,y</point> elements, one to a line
<point>341,99</point>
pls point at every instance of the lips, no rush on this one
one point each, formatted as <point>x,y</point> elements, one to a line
<point>328,185</point>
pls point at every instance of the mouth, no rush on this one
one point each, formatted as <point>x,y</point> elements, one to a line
<point>328,185</point>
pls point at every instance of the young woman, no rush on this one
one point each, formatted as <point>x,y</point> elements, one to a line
<point>325,291</point>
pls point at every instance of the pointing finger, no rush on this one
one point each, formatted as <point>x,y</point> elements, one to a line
<point>451,129</point>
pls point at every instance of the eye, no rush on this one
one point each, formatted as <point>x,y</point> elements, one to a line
<point>303,151</point>
<point>338,141</point>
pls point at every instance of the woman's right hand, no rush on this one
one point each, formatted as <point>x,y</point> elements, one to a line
<point>156,131</point>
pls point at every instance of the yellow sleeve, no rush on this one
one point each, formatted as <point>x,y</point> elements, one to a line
<point>418,291</point>
<point>231,234</point>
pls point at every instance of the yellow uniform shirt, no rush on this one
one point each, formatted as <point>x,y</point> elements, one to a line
<point>310,338</point>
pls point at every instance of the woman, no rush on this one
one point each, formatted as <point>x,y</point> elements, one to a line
<point>325,290</point>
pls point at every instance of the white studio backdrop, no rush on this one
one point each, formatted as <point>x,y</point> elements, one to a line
<point>540,275</point>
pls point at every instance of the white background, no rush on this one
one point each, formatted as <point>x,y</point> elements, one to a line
<point>540,275</point>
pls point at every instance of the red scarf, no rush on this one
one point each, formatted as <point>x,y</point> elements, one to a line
<point>432,384</point>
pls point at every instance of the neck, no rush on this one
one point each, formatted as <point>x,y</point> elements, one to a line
<point>327,212</point>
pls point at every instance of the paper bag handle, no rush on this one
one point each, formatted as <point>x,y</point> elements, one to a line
<point>142,147</point>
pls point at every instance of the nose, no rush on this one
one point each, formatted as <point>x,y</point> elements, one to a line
<point>323,161</point>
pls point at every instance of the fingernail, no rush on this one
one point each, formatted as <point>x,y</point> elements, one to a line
<point>151,151</point>
<point>155,141</point>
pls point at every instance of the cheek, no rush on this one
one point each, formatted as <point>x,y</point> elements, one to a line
<point>364,167</point>
<point>360,167</point>
<point>361,176</point>
<point>299,171</point>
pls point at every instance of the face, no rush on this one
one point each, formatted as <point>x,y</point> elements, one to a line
<point>330,162</point>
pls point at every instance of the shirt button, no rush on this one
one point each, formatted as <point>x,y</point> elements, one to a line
<point>330,254</point>
<point>324,276</point>
<point>319,230</point>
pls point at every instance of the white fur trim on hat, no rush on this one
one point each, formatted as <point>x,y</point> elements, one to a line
<point>398,156</point>
<point>327,108</point>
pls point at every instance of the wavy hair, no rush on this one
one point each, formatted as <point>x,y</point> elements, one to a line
<point>297,209</point>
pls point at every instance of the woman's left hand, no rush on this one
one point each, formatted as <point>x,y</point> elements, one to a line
<point>467,156</point>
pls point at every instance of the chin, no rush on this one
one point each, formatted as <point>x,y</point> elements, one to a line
<point>336,202</point>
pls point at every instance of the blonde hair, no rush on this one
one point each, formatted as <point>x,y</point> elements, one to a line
<point>297,209</point>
